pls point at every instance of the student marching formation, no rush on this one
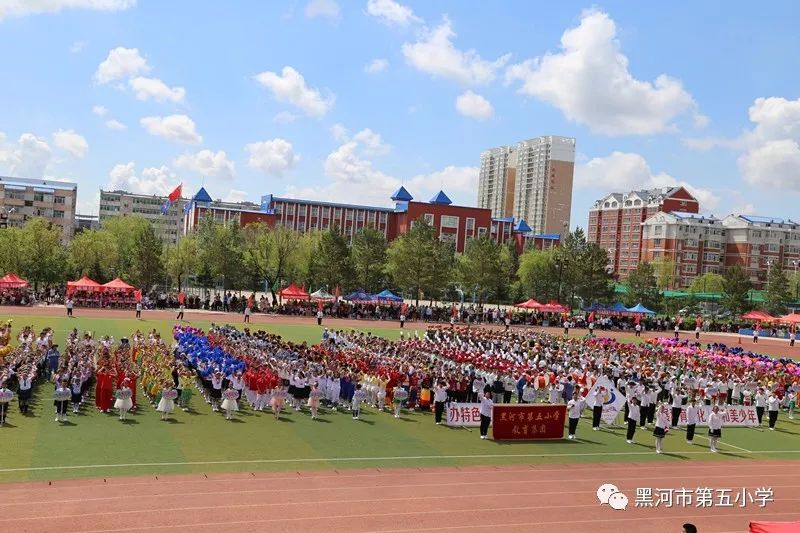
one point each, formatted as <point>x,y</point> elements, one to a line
<point>230,369</point>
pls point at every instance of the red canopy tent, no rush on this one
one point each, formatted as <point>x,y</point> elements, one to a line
<point>293,292</point>
<point>117,285</point>
<point>774,527</point>
<point>12,281</point>
<point>554,307</point>
<point>760,316</point>
<point>791,318</point>
<point>84,284</point>
<point>529,304</point>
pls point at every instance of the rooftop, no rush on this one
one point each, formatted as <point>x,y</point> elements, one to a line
<point>27,182</point>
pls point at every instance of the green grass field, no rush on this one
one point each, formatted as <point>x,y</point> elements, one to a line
<point>99,445</point>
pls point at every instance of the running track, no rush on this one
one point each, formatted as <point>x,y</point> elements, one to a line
<point>520,498</point>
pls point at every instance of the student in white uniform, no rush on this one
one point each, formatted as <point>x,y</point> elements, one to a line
<point>691,421</point>
<point>486,413</point>
<point>633,419</point>
<point>761,404</point>
<point>574,408</point>
<point>677,402</point>
<point>714,428</point>
<point>660,429</point>
<point>773,404</point>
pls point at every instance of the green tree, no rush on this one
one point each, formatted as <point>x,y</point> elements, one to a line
<point>369,259</point>
<point>664,268</point>
<point>93,253</point>
<point>181,260</point>
<point>708,282</point>
<point>735,290</point>
<point>43,256</point>
<point>221,249</point>
<point>413,258</point>
<point>443,263</point>
<point>270,253</point>
<point>643,287</point>
<point>11,257</point>
<point>480,267</point>
<point>147,268</point>
<point>332,262</point>
<point>777,290</point>
<point>595,281</point>
<point>538,275</point>
<point>124,231</point>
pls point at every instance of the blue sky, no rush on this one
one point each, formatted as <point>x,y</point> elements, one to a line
<point>345,100</point>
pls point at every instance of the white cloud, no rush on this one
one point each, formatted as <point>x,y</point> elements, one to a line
<point>121,63</point>
<point>235,195</point>
<point>114,124</point>
<point>273,157</point>
<point>290,86</point>
<point>71,142</point>
<point>178,128</point>
<point>340,133</point>
<point>474,105</point>
<point>322,8</point>
<point>376,65</point>
<point>459,183</point>
<point>623,171</point>
<point>589,81</point>
<point>284,117</point>
<point>154,180</point>
<point>100,110</point>
<point>29,157</point>
<point>77,47</point>
<point>371,142</point>
<point>774,164</point>
<point>207,163</point>
<point>390,12</point>
<point>155,89</point>
<point>435,54</point>
<point>21,8</point>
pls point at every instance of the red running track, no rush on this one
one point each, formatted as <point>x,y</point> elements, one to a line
<point>552,498</point>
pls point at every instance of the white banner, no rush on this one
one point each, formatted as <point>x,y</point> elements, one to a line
<point>732,415</point>
<point>463,414</point>
<point>614,400</point>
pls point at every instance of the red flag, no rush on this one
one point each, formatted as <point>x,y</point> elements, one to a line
<point>319,305</point>
<point>591,316</point>
<point>175,195</point>
<point>336,293</point>
<point>403,307</point>
<point>138,295</point>
<point>638,319</point>
<point>181,298</point>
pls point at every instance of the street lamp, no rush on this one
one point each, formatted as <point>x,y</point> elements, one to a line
<point>769,267</point>
<point>795,263</point>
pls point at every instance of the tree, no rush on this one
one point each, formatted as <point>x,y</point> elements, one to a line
<point>595,281</point>
<point>220,248</point>
<point>147,268</point>
<point>708,282</point>
<point>369,259</point>
<point>642,287</point>
<point>480,267</point>
<point>269,253</point>
<point>735,290</point>
<point>538,275</point>
<point>181,259</point>
<point>412,260</point>
<point>124,231</point>
<point>93,253</point>
<point>43,257</point>
<point>664,268</point>
<point>332,263</point>
<point>777,290</point>
<point>11,257</point>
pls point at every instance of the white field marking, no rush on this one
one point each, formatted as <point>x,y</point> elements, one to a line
<point>726,444</point>
<point>356,459</point>
<point>482,483</point>
<point>437,511</point>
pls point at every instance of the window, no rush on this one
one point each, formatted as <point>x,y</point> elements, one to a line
<point>314,211</point>
<point>348,215</point>
<point>360,216</point>
<point>470,225</point>
<point>301,226</point>
<point>448,237</point>
<point>326,212</point>
<point>337,213</point>
<point>449,221</point>
<point>428,218</point>
<point>38,197</point>
<point>657,242</point>
<point>290,209</point>
<point>773,247</point>
<point>383,218</point>
<point>481,232</point>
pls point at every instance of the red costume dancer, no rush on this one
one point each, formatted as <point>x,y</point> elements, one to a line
<point>104,389</point>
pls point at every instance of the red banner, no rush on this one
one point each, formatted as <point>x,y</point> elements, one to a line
<point>528,422</point>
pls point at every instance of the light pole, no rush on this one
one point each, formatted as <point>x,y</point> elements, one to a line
<point>769,267</point>
<point>795,263</point>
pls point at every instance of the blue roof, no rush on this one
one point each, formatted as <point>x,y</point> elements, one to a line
<point>765,220</point>
<point>402,195</point>
<point>522,227</point>
<point>441,199</point>
<point>202,196</point>
<point>548,236</point>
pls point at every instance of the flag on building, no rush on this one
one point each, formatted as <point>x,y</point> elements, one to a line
<point>615,400</point>
<point>173,197</point>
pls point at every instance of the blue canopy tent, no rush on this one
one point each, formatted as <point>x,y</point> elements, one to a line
<point>595,307</point>
<point>359,296</point>
<point>388,296</point>
<point>640,309</point>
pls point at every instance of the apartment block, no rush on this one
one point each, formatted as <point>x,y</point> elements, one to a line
<point>23,198</point>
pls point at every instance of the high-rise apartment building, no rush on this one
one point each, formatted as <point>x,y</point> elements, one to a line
<point>168,227</point>
<point>23,198</point>
<point>615,222</point>
<point>530,181</point>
